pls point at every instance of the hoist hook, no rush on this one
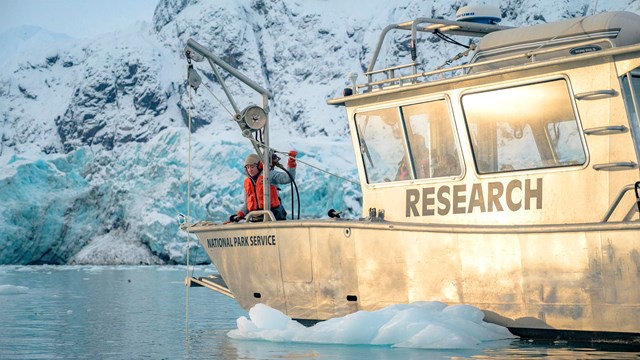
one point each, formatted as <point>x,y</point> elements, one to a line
<point>193,78</point>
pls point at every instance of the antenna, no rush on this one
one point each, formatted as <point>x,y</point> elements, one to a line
<point>480,14</point>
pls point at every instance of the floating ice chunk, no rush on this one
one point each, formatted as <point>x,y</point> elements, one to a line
<point>357,328</point>
<point>466,312</point>
<point>265,317</point>
<point>406,323</point>
<point>435,336</point>
<point>428,325</point>
<point>266,324</point>
<point>13,289</point>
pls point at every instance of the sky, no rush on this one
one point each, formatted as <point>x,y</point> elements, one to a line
<point>76,18</point>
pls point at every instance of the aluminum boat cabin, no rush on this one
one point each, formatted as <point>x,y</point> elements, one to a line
<point>509,183</point>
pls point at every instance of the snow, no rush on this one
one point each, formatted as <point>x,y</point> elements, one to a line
<point>426,325</point>
<point>94,137</point>
<point>27,40</point>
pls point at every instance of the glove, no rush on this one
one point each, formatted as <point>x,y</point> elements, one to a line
<point>291,163</point>
<point>275,160</point>
<point>236,217</point>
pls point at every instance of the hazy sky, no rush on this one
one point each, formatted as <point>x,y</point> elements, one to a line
<point>77,18</point>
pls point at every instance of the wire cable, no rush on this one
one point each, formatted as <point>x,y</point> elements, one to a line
<point>293,185</point>
<point>448,39</point>
<point>313,166</point>
<point>219,101</point>
<point>188,284</point>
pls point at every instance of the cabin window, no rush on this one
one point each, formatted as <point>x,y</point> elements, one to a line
<point>411,142</point>
<point>432,143</point>
<point>631,95</point>
<point>381,140</point>
<point>523,128</point>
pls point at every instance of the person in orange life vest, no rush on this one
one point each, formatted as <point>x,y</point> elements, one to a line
<point>254,188</point>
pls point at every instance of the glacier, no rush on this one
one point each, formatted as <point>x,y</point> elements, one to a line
<point>95,140</point>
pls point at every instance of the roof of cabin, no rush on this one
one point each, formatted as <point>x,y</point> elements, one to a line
<point>622,28</point>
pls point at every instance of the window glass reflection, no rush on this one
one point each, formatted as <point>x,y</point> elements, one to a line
<point>525,127</point>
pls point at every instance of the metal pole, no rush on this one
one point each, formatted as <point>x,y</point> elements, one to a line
<point>267,156</point>
<point>193,45</point>
<point>224,86</point>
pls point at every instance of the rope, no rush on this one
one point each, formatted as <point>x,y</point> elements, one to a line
<point>560,33</point>
<point>306,163</point>
<point>219,101</point>
<point>188,207</point>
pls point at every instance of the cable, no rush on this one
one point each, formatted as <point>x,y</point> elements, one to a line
<point>298,197</point>
<point>188,207</point>
<point>315,167</point>
<point>293,183</point>
<point>637,190</point>
<point>560,33</point>
<point>448,39</point>
<point>219,101</point>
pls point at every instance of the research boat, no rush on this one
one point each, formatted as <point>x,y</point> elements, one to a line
<point>509,183</point>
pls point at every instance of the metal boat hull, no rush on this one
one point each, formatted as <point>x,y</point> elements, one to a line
<point>571,278</point>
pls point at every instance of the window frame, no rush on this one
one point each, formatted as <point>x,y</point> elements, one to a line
<point>398,107</point>
<point>521,83</point>
<point>632,105</point>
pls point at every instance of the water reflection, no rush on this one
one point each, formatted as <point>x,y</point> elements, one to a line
<point>139,312</point>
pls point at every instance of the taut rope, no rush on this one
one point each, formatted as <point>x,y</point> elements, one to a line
<point>313,166</point>
<point>188,205</point>
<point>219,101</point>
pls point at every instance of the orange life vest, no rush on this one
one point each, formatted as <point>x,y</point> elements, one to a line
<point>255,194</point>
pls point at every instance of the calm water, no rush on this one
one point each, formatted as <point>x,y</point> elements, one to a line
<point>80,312</point>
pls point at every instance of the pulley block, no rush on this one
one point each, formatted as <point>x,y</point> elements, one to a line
<point>254,117</point>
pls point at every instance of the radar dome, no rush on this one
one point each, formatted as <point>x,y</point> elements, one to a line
<point>483,14</point>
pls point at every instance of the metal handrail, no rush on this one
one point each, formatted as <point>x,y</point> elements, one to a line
<point>606,130</point>
<point>615,204</point>
<point>257,213</point>
<point>398,67</point>
<point>596,94</point>
<point>615,166</point>
<point>461,28</point>
<point>637,190</point>
<point>501,71</point>
<point>469,66</point>
<point>396,226</point>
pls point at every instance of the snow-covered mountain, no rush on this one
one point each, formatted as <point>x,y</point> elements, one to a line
<point>94,137</point>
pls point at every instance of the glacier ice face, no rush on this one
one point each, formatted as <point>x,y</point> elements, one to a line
<point>85,207</point>
<point>94,139</point>
<point>44,209</point>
